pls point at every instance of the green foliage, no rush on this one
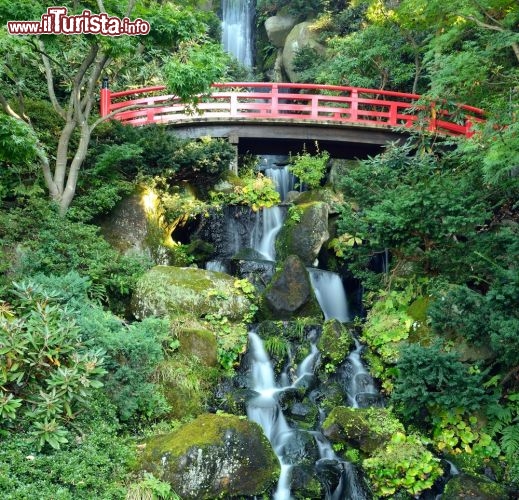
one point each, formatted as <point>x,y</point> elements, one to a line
<point>489,319</point>
<point>192,71</point>
<point>419,206</point>
<point>387,325</point>
<point>432,379</point>
<point>454,434</point>
<point>151,488</point>
<point>403,464</point>
<point>310,169</point>
<point>132,354</point>
<point>94,465</point>
<point>254,190</point>
<point>60,246</point>
<point>47,371</point>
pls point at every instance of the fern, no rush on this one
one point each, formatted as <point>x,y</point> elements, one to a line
<point>510,439</point>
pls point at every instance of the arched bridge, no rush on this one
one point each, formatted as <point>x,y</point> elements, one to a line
<point>291,111</point>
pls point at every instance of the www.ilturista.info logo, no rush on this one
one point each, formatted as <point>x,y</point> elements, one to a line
<point>56,21</point>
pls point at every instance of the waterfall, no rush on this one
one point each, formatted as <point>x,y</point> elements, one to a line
<point>264,408</point>
<point>270,220</point>
<point>237,26</point>
<point>358,383</point>
<point>330,294</point>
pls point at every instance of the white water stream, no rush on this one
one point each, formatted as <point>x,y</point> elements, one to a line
<point>237,26</point>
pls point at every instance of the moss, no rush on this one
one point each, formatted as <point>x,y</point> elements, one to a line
<point>335,342</point>
<point>167,290</point>
<point>468,487</point>
<point>362,428</point>
<point>304,237</point>
<point>187,385</point>
<point>213,456</point>
<point>200,343</point>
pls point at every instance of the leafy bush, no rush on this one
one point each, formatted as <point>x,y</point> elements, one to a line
<point>94,465</point>
<point>132,353</point>
<point>403,464</point>
<point>309,169</point>
<point>48,372</point>
<point>254,190</point>
<point>432,379</point>
<point>61,246</point>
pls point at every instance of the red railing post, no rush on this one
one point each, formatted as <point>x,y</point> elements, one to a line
<point>392,113</point>
<point>234,104</point>
<point>274,103</point>
<point>105,98</point>
<point>315,102</point>
<point>354,108</point>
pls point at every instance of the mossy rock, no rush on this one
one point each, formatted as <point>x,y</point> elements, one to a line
<point>335,342</point>
<point>186,384</point>
<point>290,293</point>
<point>213,456</point>
<point>465,487</point>
<point>325,195</point>
<point>200,343</point>
<point>365,429</point>
<point>305,237</point>
<point>174,291</point>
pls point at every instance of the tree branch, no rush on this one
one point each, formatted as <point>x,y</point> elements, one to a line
<point>50,82</point>
<point>494,27</point>
<point>8,110</point>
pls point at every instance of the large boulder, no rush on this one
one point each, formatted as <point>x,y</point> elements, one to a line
<point>177,291</point>
<point>278,27</point>
<point>365,429</point>
<point>200,343</point>
<point>214,456</point>
<point>465,487</point>
<point>300,36</point>
<point>290,293</point>
<point>306,236</point>
<point>335,342</point>
<point>126,227</point>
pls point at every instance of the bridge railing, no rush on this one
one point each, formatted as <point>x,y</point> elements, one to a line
<point>288,102</point>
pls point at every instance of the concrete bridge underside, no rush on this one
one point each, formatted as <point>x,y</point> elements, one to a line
<point>281,137</point>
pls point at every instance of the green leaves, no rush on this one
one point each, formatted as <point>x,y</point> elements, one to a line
<point>309,169</point>
<point>47,373</point>
<point>192,71</point>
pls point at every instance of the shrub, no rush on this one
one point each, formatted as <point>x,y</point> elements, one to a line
<point>94,465</point>
<point>47,372</point>
<point>429,377</point>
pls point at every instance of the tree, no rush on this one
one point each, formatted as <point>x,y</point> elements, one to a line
<point>73,65</point>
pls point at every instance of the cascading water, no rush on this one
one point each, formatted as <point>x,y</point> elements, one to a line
<point>237,26</point>
<point>270,220</point>
<point>330,294</point>
<point>264,408</point>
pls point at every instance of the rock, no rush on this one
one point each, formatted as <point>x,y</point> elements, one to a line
<point>252,265</point>
<point>465,487</point>
<point>175,376</point>
<point>167,290</point>
<point>363,428</point>
<point>292,196</point>
<point>126,227</point>
<point>300,36</point>
<point>200,343</point>
<point>278,27</point>
<point>227,229</point>
<point>335,342</point>
<point>213,456</point>
<point>333,199</point>
<point>290,293</point>
<point>305,237</point>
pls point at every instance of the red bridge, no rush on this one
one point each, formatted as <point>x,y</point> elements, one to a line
<point>291,111</point>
